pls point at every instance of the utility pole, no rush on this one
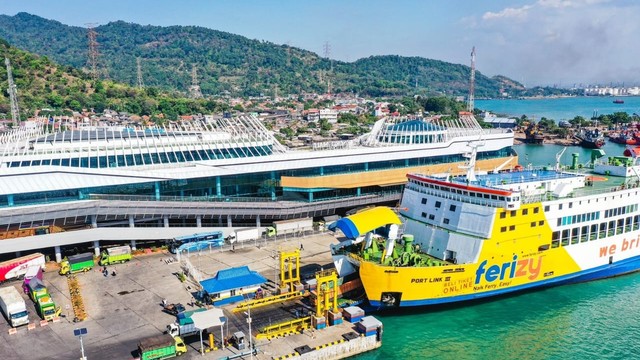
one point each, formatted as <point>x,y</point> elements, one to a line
<point>139,73</point>
<point>327,54</point>
<point>93,50</point>
<point>194,89</point>
<point>472,83</point>
<point>13,94</point>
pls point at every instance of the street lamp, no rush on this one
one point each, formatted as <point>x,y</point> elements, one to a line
<point>248,313</point>
<point>79,333</point>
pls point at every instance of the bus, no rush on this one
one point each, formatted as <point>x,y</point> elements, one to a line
<point>196,242</point>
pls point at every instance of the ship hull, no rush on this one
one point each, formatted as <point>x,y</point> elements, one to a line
<point>602,272</point>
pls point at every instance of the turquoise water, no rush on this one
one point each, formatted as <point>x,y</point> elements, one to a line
<point>543,155</point>
<point>594,320</point>
<point>561,108</point>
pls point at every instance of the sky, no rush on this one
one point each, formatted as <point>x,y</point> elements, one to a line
<point>536,42</point>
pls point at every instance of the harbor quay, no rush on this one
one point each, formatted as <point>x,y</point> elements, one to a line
<point>125,305</point>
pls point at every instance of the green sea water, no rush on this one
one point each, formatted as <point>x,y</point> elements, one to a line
<point>593,320</point>
<point>543,155</point>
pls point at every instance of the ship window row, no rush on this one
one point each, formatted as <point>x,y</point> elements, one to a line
<point>539,223</point>
<point>591,232</point>
<point>511,228</point>
<point>487,200</point>
<point>148,158</point>
<point>457,191</point>
<point>514,213</point>
<point>574,219</point>
<point>620,210</point>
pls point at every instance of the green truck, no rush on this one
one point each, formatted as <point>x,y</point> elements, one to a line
<point>44,304</point>
<point>47,308</point>
<point>76,263</point>
<point>161,347</point>
<point>115,255</point>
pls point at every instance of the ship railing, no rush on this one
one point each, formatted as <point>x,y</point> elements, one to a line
<point>456,197</point>
<point>580,192</point>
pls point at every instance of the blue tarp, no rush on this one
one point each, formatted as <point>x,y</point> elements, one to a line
<point>233,278</point>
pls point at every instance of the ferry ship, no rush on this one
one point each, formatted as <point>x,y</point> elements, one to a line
<point>482,235</point>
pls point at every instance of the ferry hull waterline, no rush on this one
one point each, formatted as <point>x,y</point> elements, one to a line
<point>471,238</point>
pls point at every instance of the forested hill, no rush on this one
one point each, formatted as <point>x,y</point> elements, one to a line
<point>228,63</point>
<point>43,84</point>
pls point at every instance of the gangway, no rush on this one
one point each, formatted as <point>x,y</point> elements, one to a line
<point>285,328</point>
<point>268,300</point>
<point>289,281</point>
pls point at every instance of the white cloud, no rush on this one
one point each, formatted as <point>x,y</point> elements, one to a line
<point>547,42</point>
<point>520,12</point>
<point>568,3</point>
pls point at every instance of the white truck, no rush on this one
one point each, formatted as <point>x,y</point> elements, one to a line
<point>184,325</point>
<point>245,235</point>
<point>293,226</point>
<point>13,306</point>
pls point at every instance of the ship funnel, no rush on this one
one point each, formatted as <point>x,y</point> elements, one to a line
<point>574,161</point>
<point>408,243</point>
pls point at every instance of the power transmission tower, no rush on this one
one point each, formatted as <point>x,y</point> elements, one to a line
<point>194,89</point>
<point>327,55</point>
<point>139,71</point>
<point>472,83</point>
<point>93,50</point>
<point>13,94</point>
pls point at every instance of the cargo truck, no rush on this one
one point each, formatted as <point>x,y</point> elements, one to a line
<point>42,299</point>
<point>184,326</point>
<point>292,226</point>
<point>245,235</point>
<point>13,269</point>
<point>114,255</point>
<point>76,263</point>
<point>33,272</point>
<point>47,308</point>
<point>13,306</point>
<point>161,347</point>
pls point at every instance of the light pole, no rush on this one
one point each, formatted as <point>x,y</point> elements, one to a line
<point>250,336</point>
<point>248,313</point>
<point>79,333</point>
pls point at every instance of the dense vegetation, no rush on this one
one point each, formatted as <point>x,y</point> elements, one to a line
<point>42,84</point>
<point>232,64</point>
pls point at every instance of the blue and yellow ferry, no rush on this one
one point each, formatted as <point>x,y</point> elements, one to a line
<point>476,236</point>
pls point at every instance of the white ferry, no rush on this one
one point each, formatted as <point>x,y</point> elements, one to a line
<point>477,236</point>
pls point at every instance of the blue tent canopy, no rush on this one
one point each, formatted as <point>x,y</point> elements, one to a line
<point>232,278</point>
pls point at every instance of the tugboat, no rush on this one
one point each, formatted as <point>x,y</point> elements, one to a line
<point>590,139</point>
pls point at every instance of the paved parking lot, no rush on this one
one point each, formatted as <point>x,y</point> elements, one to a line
<point>125,308</point>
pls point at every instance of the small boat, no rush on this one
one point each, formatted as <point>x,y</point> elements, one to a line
<point>590,139</point>
<point>618,101</point>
